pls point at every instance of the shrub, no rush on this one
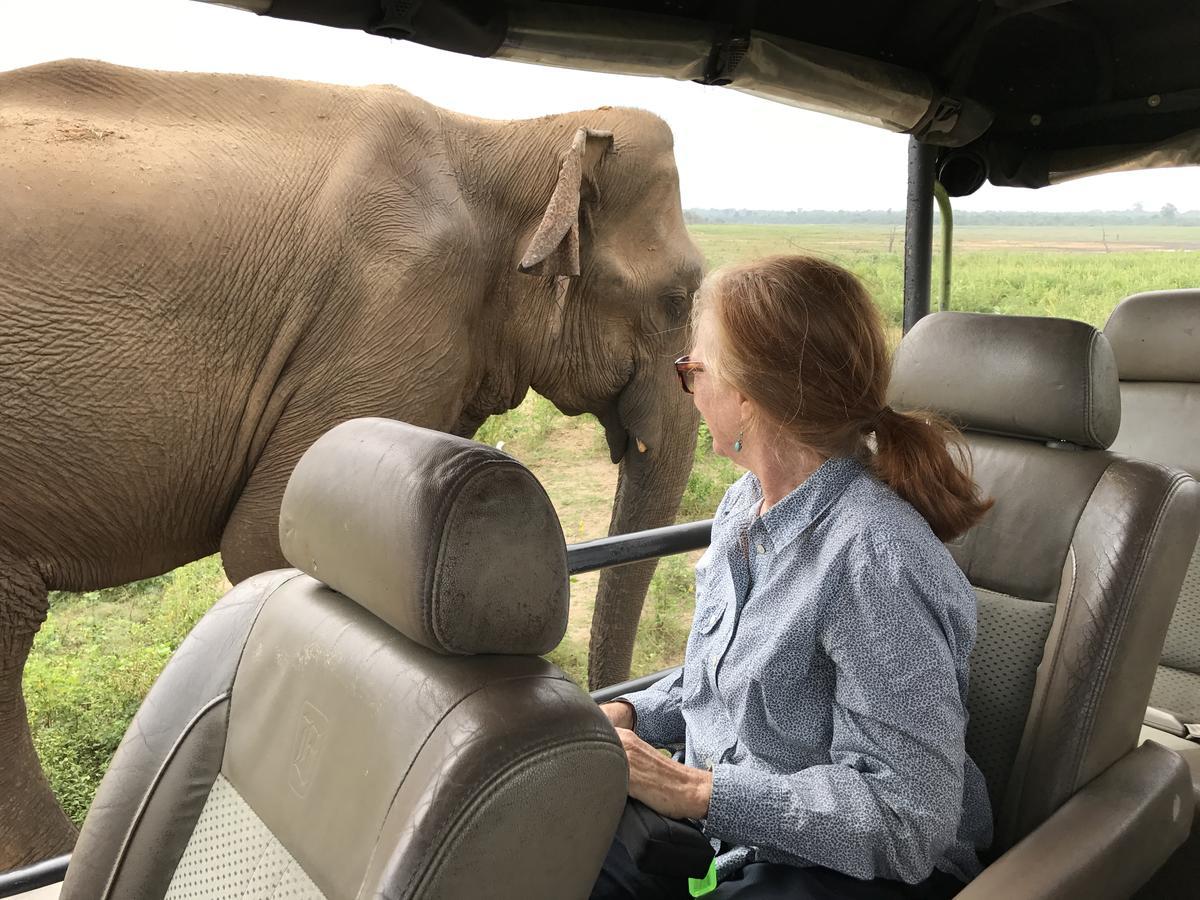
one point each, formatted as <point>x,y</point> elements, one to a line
<point>93,662</point>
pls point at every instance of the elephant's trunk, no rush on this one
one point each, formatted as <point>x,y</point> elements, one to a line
<point>649,487</point>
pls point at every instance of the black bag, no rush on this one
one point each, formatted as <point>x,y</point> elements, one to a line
<point>662,846</point>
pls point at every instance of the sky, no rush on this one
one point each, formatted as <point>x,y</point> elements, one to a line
<point>733,150</point>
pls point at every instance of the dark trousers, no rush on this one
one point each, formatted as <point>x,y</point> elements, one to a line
<point>620,879</point>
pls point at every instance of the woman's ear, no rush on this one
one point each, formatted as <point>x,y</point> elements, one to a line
<point>745,407</point>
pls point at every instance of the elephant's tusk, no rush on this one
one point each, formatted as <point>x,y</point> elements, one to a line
<point>641,446</point>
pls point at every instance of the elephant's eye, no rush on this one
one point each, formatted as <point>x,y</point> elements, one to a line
<point>678,304</point>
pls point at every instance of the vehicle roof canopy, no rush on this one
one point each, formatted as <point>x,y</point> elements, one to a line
<point>1022,92</point>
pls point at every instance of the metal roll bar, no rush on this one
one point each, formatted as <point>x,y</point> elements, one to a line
<point>623,549</point>
<point>40,874</point>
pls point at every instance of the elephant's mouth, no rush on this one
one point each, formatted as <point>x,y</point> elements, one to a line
<point>621,441</point>
<point>615,433</point>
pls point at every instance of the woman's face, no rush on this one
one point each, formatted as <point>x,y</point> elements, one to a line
<point>719,403</point>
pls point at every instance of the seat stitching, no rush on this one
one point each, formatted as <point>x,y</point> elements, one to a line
<point>1087,387</point>
<point>429,553</point>
<point>433,728</point>
<point>440,851</point>
<point>158,775</point>
<point>262,853</point>
<point>1089,722</point>
<point>1025,750</point>
<point>183,735</point>
<point>434,620</point>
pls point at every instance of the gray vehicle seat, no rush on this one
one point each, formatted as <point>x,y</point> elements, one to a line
<point>1076,568</point>
<point>1156,339</point>
<point>375,722</point>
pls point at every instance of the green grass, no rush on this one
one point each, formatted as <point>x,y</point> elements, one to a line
<point>528,426</point>
<point>662,628</point>
<point>710,476</point>
<point>1014,281</point>
<point>98,653</point>
<point>93,662</point>
<point>743,241</point>
<point>666,617</point>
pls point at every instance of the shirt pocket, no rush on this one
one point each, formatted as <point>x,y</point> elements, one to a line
<point>709,612</point>
<point>714,595</point>
<point>710,619</point>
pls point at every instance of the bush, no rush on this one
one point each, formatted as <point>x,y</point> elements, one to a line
<point>93,662</point>
<point>525,428</point>
<point>666,617</point>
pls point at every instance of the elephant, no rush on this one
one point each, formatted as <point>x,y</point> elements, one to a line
<point>200,274</point>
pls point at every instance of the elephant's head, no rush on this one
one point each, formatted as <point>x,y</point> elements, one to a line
<point>612,253</point>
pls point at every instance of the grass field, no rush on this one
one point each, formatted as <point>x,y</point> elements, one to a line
<point>1036,270</point>
<point>99,652</point>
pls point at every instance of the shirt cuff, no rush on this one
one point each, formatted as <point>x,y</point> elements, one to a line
<point>653,719</point>
<point>740,802</point>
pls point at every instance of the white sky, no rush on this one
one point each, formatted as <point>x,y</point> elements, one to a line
<point>733,150</point>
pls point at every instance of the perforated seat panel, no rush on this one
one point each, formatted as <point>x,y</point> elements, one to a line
<point>1177,683</point>
<point>232,853</point>
<point>1013,633</point>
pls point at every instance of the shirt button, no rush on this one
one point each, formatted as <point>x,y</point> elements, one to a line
<point>762,548</point>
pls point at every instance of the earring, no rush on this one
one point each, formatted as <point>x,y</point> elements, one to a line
<point>737,445</point>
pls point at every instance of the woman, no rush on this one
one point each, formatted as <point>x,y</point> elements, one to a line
<point>823,694</point>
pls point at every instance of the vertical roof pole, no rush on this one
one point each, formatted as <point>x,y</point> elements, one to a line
<point>918,232</point>
<point>943,202</point>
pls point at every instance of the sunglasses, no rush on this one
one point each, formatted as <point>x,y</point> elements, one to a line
<point>686,368</point>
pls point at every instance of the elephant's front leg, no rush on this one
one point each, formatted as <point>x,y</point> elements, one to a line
<point>33,826</point>
<point>250,540</point>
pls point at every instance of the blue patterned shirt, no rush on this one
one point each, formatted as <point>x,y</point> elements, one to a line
<point>825,684</point>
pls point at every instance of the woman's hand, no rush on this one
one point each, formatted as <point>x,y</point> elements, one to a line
<point>667,787</point>
<point>619,713</point>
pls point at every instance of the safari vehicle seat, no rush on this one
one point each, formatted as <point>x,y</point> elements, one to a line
<point>375,722</point>
<point>1076,568</point>
<point>1156,339</point>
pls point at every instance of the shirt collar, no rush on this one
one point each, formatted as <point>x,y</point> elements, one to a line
<point>787,519</point>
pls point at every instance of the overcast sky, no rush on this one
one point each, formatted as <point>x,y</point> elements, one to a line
<point>733,150</point>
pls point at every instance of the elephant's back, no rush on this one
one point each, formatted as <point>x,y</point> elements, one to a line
<point>80,136</point>
<point>157,232</point>
<point>122,176</point>
<point>149,97</point>
<point>167,241</point>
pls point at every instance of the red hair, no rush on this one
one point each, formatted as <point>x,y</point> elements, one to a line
<point>801,338</point>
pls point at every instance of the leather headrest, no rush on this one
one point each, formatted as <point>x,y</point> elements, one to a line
<point>1156,336</point>
<point>1024,376</point>
<point>451,542</point>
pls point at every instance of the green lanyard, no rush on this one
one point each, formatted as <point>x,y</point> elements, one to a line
<point>698,887</point>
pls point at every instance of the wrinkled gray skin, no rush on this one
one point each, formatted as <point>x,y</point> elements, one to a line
<point>200,274</point>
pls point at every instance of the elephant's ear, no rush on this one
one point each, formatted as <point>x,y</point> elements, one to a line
<point>554,249</point>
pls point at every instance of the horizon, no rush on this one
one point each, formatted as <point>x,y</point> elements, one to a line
<point>1149,213</point>
<point>784,156</point>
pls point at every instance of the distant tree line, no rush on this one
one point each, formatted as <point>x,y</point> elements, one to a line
<point>1167,215</point>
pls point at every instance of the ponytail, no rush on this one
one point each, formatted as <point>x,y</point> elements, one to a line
<point>915,455</point>
<point>801,339</point>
